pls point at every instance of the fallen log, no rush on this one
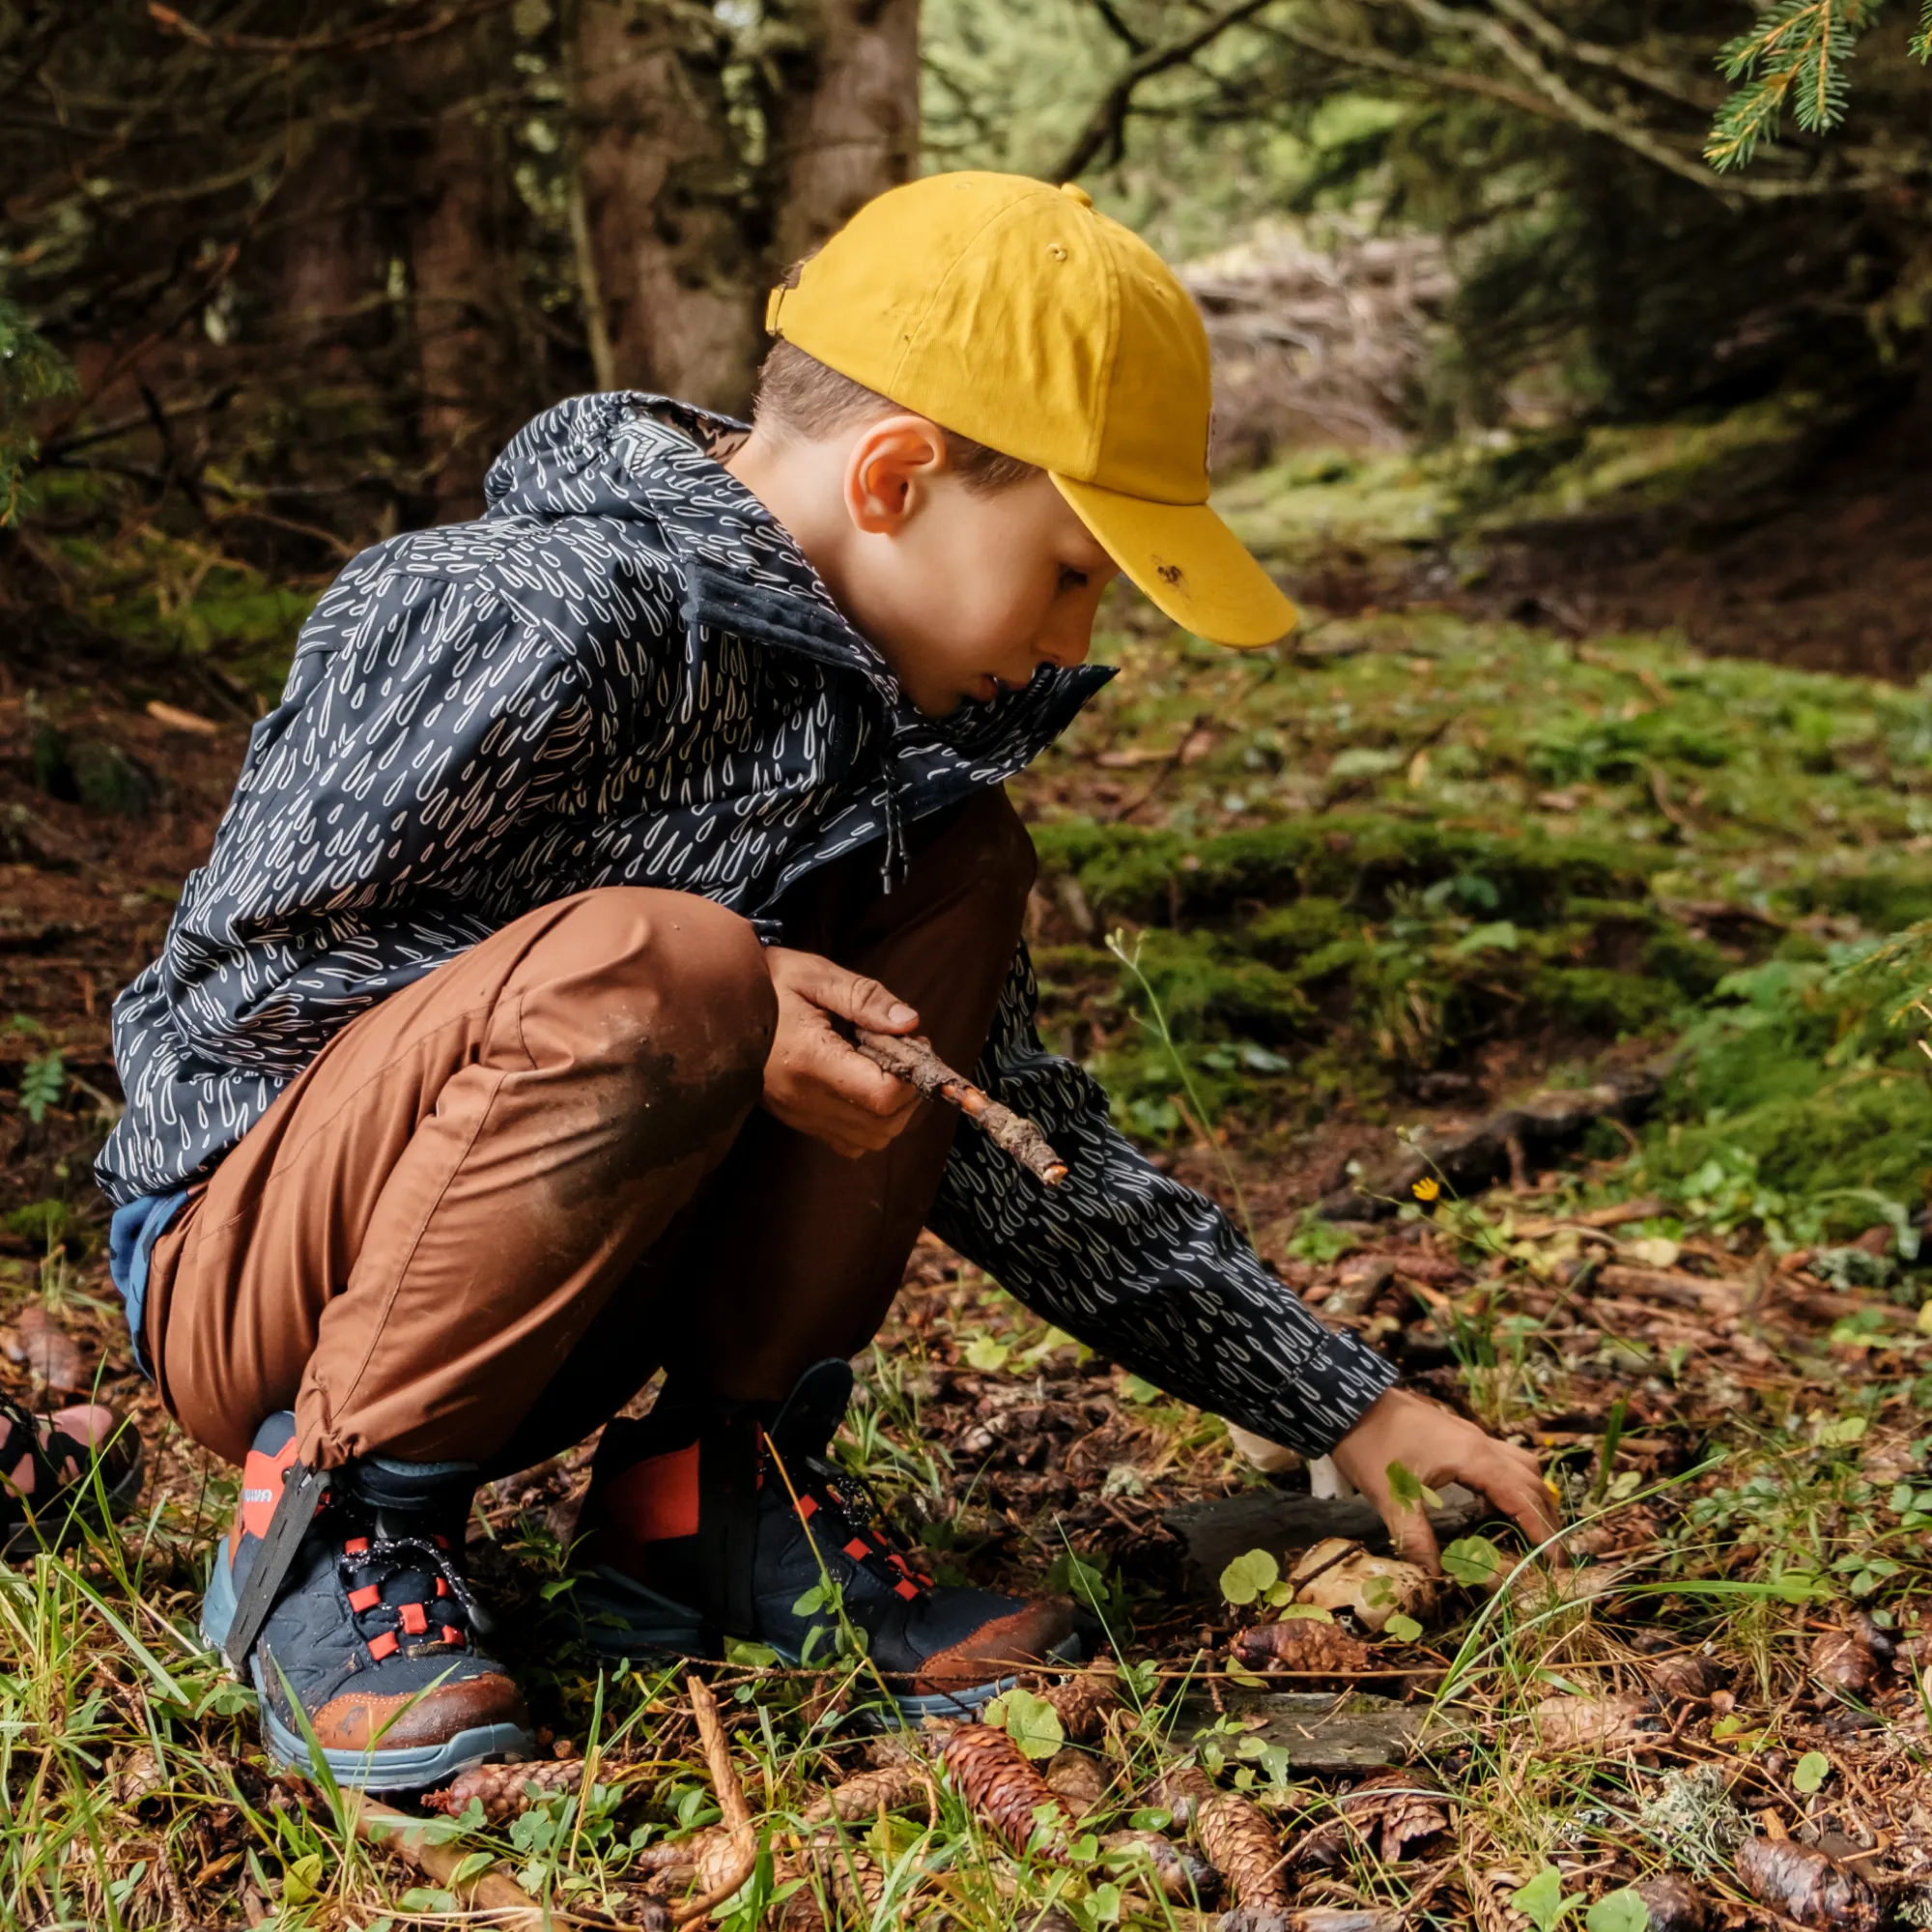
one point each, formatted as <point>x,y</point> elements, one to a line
<point>1500,1147</point>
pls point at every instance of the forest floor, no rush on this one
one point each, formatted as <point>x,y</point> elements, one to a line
<point>1316,915</point>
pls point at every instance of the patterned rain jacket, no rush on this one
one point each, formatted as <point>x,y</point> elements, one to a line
<point>625,674</point>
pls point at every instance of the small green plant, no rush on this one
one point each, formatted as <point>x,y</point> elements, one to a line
<point>1203,1119</point>
<point>42,1082</point>
<point>29,372</point>
<point>1542,1901</point>
<point>1622,1911</point>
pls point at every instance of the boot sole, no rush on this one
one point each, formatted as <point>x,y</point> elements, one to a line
<point>409,1767</point>
<point>619,1619</point>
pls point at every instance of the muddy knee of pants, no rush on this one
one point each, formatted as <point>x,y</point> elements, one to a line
<point>420,1229</point>
<point>657,1009</point>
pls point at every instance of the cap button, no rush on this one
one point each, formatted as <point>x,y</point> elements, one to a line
<point>1077,192</point>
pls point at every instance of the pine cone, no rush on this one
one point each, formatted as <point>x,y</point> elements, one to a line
<point>1685,1677</point>
<point>1304,1644</point>
<point>1182,1877</point>
<point>888,1788</point>
<point>1078,1780</point>
<point>1241,1842</point>
<point>850,1878</point>
<point>505,1789</point>
<point>1808,1885</point>
<point>1083,1700</point>
<point>996,1779</point>
<point>1181,1791</point>
<point>1673,1903</point>
<point>1400,1807</point>
<point>678,1861</point>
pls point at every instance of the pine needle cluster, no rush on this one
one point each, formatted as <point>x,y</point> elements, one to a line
<point>1795,58</point>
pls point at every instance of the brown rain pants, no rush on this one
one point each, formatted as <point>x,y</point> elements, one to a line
<point>497,1202</point>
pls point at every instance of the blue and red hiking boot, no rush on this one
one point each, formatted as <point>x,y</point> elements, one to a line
<point>344,1595</point>
<point>703,1524</point>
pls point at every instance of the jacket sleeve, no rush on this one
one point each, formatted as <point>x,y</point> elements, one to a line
<point>422,718</point>
<point>1136,1265</point>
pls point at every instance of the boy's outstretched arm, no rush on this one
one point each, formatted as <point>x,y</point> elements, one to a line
<point>1153,1273</point>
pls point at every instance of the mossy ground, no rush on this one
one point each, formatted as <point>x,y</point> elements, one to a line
<point>1423,854</point>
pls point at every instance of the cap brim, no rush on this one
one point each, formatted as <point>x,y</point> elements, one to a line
<point>1189,562</point>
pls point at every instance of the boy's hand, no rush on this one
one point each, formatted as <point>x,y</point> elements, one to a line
<point>1437,1447</point>
<point>815,1080</point>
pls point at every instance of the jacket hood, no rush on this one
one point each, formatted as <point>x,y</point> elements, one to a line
<point>632,455</point>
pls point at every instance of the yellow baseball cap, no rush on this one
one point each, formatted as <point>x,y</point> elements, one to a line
<point>1018,315</point>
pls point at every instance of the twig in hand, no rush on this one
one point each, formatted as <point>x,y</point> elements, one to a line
<point>911,1058</point>
<point>737,1814</point>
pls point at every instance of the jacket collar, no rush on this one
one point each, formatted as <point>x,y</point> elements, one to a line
<point>628,453</point>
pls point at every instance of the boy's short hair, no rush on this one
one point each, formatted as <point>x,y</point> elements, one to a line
<point>799,396</point>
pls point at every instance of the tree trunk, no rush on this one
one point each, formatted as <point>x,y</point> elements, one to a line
<point>324,270</point>
<point>686,225</point>
<point>668,208</point>
<point>847,122</point>
<point>459,261</point>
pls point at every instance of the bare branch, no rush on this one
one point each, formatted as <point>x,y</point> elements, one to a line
<point>1118,27</point>
<point>363,40</point>
<point>1705,99</point>
<point>1452,79</point>
<point>1106,126</point>
<point>1473,23</point>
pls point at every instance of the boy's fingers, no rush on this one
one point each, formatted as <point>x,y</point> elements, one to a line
<point>1414,1537</point>
<point>862,1001</point>
<point>859,1082</point>
<point>1513,1481</point>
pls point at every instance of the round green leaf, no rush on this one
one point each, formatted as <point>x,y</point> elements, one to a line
<point>1247,1576</point>
<point>1032,1723</point>
<point>1473,1561</point>
<point>1813,1769</point>
<point>1617,1911</point>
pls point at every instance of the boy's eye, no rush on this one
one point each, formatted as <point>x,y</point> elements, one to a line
<point>1071,578</point>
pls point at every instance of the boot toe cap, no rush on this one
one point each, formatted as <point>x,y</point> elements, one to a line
<point>1028,1635</point>
<point>361,1720</point>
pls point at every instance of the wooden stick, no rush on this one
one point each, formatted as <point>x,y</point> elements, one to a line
<point>911,1058</point>
<point>492,1894</point>
<point>730,1802</point>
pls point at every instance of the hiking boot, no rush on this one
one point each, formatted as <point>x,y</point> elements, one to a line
<point>700,1526</point>
<point>369,1633</point>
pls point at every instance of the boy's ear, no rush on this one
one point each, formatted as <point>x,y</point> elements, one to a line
<point>888,471</point>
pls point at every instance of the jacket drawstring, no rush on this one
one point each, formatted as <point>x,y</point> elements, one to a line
<point>896,863</point>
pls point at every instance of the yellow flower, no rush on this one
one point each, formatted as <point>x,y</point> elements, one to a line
<point>1426,1188</point>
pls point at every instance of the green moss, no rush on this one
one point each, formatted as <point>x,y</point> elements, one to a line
<point>1598,1000</point>
<point>1292,933</point>
<point>1884,896</point>
<point>1358,861</point>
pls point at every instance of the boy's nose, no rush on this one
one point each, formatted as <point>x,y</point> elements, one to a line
<point>1068,644</point>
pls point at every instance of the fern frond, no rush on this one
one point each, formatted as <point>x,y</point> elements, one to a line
<point>1921,41</point>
